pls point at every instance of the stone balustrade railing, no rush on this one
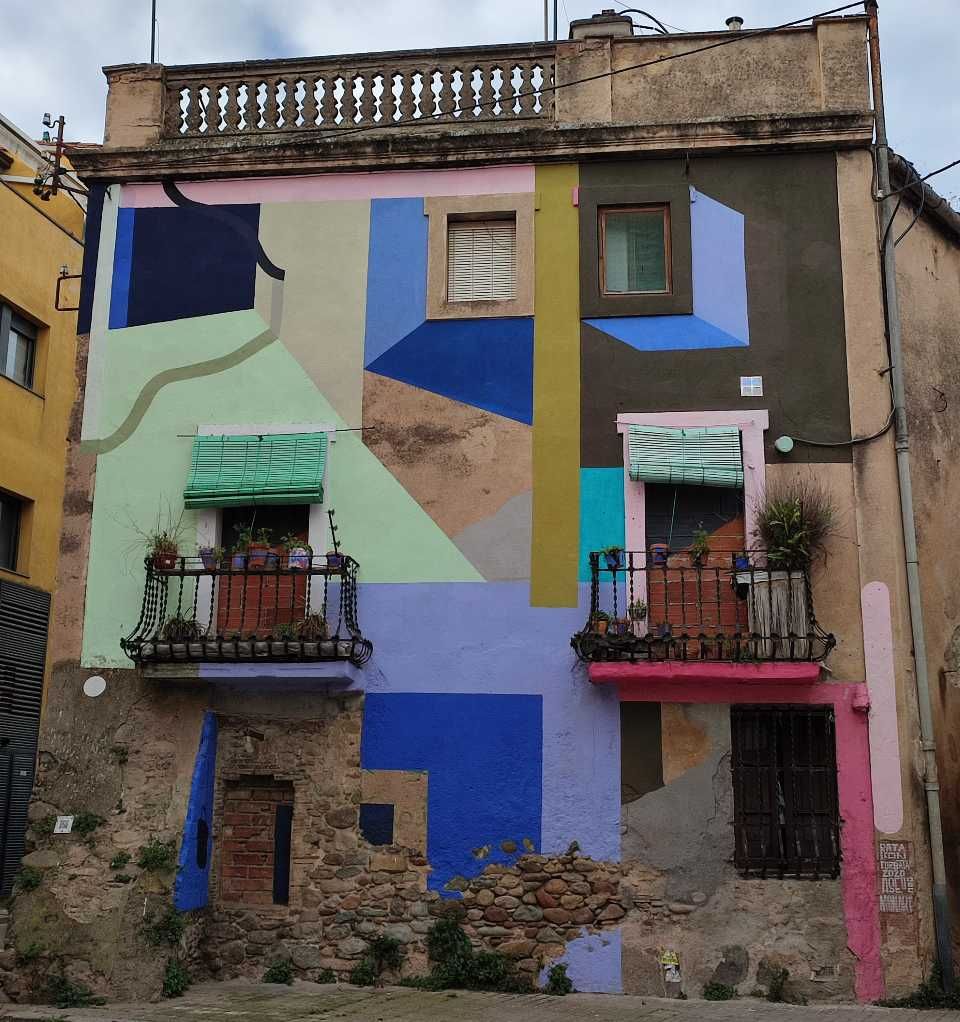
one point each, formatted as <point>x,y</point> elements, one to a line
<point>409,89</point>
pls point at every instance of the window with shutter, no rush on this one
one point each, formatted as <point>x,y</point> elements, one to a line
<point>481,260</point>
<point>635,250</point>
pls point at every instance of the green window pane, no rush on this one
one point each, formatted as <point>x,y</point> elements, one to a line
<point>635,257</point>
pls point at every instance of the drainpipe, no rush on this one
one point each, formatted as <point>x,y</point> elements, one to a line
<point>941,905</point>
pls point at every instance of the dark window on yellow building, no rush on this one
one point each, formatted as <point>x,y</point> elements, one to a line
<point>635,250</point>
<point>18,345</point>
<point>10,511</point>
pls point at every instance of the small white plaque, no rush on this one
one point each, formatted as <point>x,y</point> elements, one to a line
<point>64,825</point>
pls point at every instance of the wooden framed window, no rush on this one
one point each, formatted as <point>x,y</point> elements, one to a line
<point>18,347</point>
<point>481,259</point>
<point>786,805</point>
<point>635,256</point>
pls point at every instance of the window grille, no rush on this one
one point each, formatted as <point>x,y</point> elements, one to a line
<point>786,807</point>
<point>481,260</point>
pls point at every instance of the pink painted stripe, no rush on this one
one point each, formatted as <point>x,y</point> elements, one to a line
<point>881,681</point>
<point>858,874</point>
<point>396,184</point>
<point>629,675</point>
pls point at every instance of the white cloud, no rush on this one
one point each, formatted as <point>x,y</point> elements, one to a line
<point>51,53</point>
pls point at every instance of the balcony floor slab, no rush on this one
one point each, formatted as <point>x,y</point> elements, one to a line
<point>341,674</point>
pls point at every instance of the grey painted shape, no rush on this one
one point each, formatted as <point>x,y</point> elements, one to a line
<point>499,546</point>
<point>685,828</point>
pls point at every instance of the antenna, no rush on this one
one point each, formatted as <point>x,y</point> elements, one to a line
<point>153,31</point>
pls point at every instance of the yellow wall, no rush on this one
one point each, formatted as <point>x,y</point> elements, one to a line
<point>33,426</point>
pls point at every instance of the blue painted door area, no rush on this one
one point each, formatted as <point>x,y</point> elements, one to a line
<point>191,889</point>
<point>484,758</point>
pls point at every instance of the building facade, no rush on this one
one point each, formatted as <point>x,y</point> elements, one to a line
<point>417,544</point>
<point>43,240</point>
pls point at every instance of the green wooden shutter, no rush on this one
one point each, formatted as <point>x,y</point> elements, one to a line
<point>285,468</point>
<point>709,456</point>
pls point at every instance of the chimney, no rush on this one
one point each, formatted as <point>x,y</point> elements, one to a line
<point>734,24</point>
<point>601,26</point>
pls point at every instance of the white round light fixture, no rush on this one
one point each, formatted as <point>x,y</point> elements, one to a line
<point>95,686</point>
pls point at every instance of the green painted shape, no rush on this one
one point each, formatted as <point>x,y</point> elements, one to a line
<point>380,524</point>
<point>231,471</point>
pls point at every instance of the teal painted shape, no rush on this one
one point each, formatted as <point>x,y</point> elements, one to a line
<point>602,519</point>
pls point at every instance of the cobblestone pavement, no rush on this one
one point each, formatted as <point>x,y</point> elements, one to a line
<point>239,1001</point>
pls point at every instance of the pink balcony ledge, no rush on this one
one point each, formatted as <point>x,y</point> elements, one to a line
<point>626,675</point>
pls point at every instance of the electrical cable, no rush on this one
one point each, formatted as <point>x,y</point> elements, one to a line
<point>729,39</point>
<point>846,443</point>
<point>926,177</point>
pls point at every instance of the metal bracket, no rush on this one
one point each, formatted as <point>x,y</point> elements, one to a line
<point>60,280</point>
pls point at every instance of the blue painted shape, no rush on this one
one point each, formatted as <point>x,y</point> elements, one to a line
<point>376,823</point>
<point>602,516</point>
<point>594,962</point>
<point>487,363</point>
<point>666,333</point>
<point>396,274</point>
<point>191,888</point>
<point>122,263</point>
<point>719,266</point>
<point>719,318</point>
<point>91,250</point>
<point>483,754</point>
<point>191,261</point>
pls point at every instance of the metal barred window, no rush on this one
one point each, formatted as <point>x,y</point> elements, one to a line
<point>481,260</point>
<point>786,807</point>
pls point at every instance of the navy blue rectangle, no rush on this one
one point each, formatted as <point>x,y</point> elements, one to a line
<point>281,855</point>
<point>376,823</point>
<point>91,248</point>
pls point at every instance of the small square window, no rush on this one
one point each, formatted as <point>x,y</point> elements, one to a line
<point>18,342</point>
<point>376,823</point>
<point>751,386</point>
<point>481,260</point>
<point>635,250</point>
<point>10,513</point>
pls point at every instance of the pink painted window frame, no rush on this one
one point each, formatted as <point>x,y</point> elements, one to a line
<point>751,424</point>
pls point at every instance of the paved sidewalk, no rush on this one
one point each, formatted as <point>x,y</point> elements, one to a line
<point>239,1001</point>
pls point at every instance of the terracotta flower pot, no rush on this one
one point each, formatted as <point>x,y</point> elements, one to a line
<point>165,561</point>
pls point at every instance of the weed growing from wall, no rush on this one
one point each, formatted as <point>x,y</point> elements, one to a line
<point>63,993</point>
<point>28,879</point>
<point>157,855</point>
<point>280,971</point>
<point>166,929</point>
<point>382,953</point>
<point>558,982</point>
<point>928,996</point>
<point>176,979</point>
<point>120,860</point>
<point>719,992</point>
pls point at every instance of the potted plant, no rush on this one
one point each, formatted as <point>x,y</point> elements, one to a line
<point>239,555</point>
<point>181,632</point>
<point>312,631</point>
<point>162,549</point>
<point>210,557</point>
<point>659,554</point>
<point>280,639</point>
<point>334,560</point>
<point>794,520</point>
<point>613,556</point>
<point>298,553</point>
<point>636,614</point>
<point>700,547</point>
<point>262,556</point>
<point>600,622</point>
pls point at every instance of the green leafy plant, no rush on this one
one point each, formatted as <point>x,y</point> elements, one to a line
<point>120,860</point>
<point>279,971</point>
<point>558,982</point>
<point>176,979</point>
<point>700,547</point>
<point>166,928</point>
<point>326,976</point>
<point>181,629</point>
<point>313,628</point>
<point>86,823</point>
<point>363,974</point>
<point>637,611</point>
<point>286,631</point>
<point>242,538</point>
<point>45,826</point>
<point>158,855</point>
<point>778,981</point>
<point>930,995</point>
<point>29,954</point>
<point>28,879</point>
<point>794,519</point>
<point>263,537</point>
<point>64,993</point>
<point>719,992</point>
<point>382,953</point>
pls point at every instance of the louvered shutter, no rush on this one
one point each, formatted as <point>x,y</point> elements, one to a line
<point>709,456</point>
<point>230,471</point>
<point>481,260</point>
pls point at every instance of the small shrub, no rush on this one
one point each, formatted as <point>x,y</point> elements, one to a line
<point>929,995</point>
<point>120,860</point>
<point>66,994</point>
<point>719,992</point>
<point>45,826</point>
<point>28,879</point>
<point>446,940</point>
<point>123,878</point>
<point>86,823</point>
<point>280,971</point>
<point>326,976</point>
<point>364,974</point>
<point>457,966</point>
<point>29,954</point>
<point>166,929</point>
<point>558,982</point>
<point>158,855</point>
<point>385,952</point>
<point>176,979</point>
<point>775,992</point>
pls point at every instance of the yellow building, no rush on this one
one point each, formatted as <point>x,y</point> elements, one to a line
<point>42,240</point>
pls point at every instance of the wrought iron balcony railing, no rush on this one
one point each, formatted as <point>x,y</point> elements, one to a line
<point>658,605</point>
<point>259,607</point>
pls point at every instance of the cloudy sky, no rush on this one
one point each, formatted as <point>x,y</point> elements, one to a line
<point>51,53</point>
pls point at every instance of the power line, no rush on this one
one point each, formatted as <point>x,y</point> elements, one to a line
<point>730,39</point>
<point>926,177</point>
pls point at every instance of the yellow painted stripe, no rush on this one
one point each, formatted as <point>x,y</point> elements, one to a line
<point>556,391</point>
